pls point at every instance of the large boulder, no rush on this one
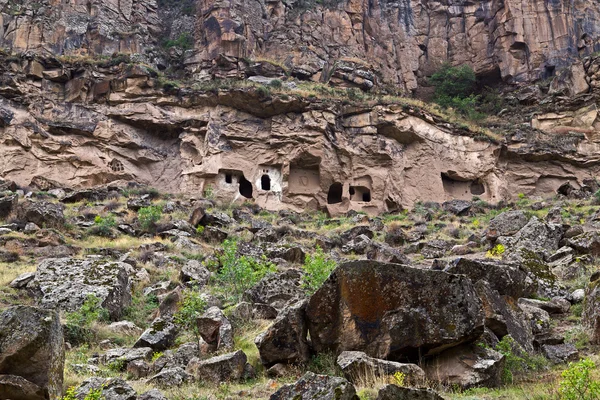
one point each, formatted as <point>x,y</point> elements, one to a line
<point>357,366</point>
<point>393,392</point>
<point>7,204</point>
<point>536,236</point>
<point>215,329</point>
<point>507,223</point>
<point>466,366</point>
<point>159,336</point>
<point>18,388</point>
<point>285,339</point>
<point>67,282</point>
<point>195,274</point>
<point>277,290</point>
<point>317,387</point>
<point>111,389</point>
<point>393,311</point>
<point>591,309</point>
<point>227,367</point>
<point>586,243</point>
<point>504,317</point>
<point>31,348</point>
<point>41,213</point>
<point>507,278</point>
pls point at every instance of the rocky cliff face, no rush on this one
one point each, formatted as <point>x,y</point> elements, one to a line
<point>360,42</point>
<point>79,125</point>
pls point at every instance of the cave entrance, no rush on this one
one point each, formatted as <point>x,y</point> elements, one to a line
<point>265,182</point>
<point>360,193</point>
<point>245,188</point>
<point>477,188</point>
<point>334,196</point>
<point>228,178</point>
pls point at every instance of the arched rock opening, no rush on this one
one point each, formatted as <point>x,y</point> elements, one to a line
<point>477,188</point>
<point>360,193</point>
<point>265,182</point>
<point>334,196</point>
<point>245,187</point>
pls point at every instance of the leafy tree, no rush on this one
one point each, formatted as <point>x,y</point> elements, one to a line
<point>149,216</point>
<point>317,269</point>
<point>450,82</point>
<point>577,382</point>
<point>192,306</point>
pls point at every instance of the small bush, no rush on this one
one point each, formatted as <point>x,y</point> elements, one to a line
<point>276,84</point>
<point>577,382</point>
<point>240,273</point>
<point>453,82</point>
<point>496,251</point>
<point>103,226</point>
<point>148,217</point>
<point>316,270</point>
<point>192,306</point>
<point>517,360</point>
<point>90,311</point>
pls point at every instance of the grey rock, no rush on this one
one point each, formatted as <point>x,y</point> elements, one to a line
<point>194,273</point>
<point>554,306</point>
<point>215,329</point>
<point>41,213</point>
<point>356,365</point>
<point>111,389</point>
<point>170,377</point>
<point>507,223</point>
<point>18,388</point>
<point>153,394</point>
<point>32,348</point>
<point>560,353</point>
<point>277,290</point>
<point>22,280</point>
<point>227,367</point>
<point>578,295</point>
<point>8,203</point>
<point>67,282</point>
<point>160,336</point>
<point>317,387</point>
<point>284,341</point>
<point>393,392</point>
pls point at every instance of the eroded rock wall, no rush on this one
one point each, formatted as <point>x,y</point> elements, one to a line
<point>399,42</point>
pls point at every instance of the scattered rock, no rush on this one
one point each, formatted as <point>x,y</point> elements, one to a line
<point>215,329</point>
<point>317,387</point>
<point>224,368</point>
<point>32,349</point>
<point>507,223</point>
<point>393,392</point>
<point>41,213</point>
<point>160,336</point>
<point>8,203</point>
<point>67,282</point>
<point>170,377</point>
<point>195,274</point>
<point>285,339</point>
<point>560,353</point>
<point>277,290</point>
<point>111,389</point>
<point>457,207</point>
<point>357,365</point>
<point>18,388</point>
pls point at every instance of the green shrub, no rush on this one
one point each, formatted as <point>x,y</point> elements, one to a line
<point>103,225</point>
<point>91,310</point>
<point>93,394</point>
<point>276,84</point>
<point>316,270</point>
<point>496,251</point>
<point>148,217</point>
<point>577,382</point>
<point>239,273</point>
<point>517,360</point>
<point>451,82</point>
<point>185,42</point>
<point>192,306</point>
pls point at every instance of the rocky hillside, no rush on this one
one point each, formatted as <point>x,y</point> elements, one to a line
<point>121,292</point>
<point>299,199</point>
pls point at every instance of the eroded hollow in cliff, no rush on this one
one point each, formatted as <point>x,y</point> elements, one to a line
<point>116,165</point>
<point>265,182</point>
<point>477,188</point>
<point>334,195</point>
<point>305,175</point>
<point>360,193</point>
<point>245,187</point>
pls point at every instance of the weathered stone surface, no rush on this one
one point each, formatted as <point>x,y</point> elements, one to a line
<point>536,236</point>
<point>369,306</point>
<point>393,392</point>
<point>507,278</point>
<point>554,306</point>
<point>41,213</point>
<point>357,365</point>
<point>159,336</point>
<point>586,243</point>
<point>277,290</point>
<point>215,329</point>
<point>506,224</point>
<point>457,207</point>
<point>591,309</point>
<point>170,377</point>
<point>194,273</point>
<point>153,394</point>
<point>111,389</point>
<point>317,387</point>
<point>560,353</point>
<point>227,367</point>
<point>467,366</point>
<point>8,203</point>
<point>32,348</point>
<point>125,328</point>
<point>66,283</point>
<point>504,317</point>
<point>18,388</point>
<point>285,341</point>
